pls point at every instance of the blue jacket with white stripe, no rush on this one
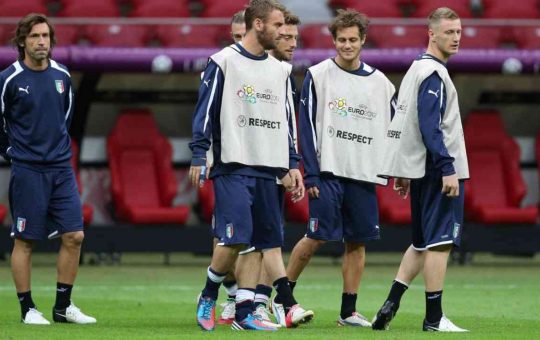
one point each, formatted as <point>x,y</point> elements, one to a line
<point>37,108</point>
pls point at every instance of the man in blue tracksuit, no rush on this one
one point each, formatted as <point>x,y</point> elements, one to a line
<point>37,107</point>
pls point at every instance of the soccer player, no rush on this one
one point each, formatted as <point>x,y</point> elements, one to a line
<point>285,46</point>
<point>37,108</point>
<point>346,106</point>
<point>242,109</point>
<point>238,26</point>
<point>427,156</point>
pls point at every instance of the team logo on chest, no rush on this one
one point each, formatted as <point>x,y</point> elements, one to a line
<point>59,86</point>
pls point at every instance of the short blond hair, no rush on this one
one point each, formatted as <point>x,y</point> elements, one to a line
<point>441,13</point>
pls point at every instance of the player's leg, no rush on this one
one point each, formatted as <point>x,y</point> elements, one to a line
<point>263,291</point>
<point>28,196</point>
<point>301,254</point>
<point>65,221</point>
<point>359,227</point>
<point>229,283</point>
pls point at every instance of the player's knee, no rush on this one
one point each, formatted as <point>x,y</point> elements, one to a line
<point>354,246</point>
<point>442,248</point>
<point>314,244</point>
<point>74,239</point>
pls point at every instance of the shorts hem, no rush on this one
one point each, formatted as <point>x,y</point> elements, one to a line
<point>363,239</point>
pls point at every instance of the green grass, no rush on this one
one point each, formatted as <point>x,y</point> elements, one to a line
<point>496,298</point>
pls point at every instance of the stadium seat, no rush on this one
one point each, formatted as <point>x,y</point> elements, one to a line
<point>21,8</point>
<point>143,184</point>
<point>207,201</point>
<point>425,7</point>
<point>496,189</point>
<point>90,8</point>
<point>161,9</point>
<point>3,213</point>
<point>67,34</point>
<point>501,9</point>
<point>87,210</point>
<point>527,37</point>
<point>398,36</point>
<point>482,37</point>
<point>117,35</point>
<point>392,208</point>
<point>316,36</point>
<point>222,9</point>
<point>188,35</point>
<point>376,9</point>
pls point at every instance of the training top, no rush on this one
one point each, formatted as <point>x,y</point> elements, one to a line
<point>343,119</point>
<point>37,108</point>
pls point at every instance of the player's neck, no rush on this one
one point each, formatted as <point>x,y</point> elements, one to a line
<point>252,45</point>
<point>36,65</point>
<point>349,65</point>
<point>437,53</point>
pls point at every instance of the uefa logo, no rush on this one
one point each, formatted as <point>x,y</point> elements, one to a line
<point>242,121</point>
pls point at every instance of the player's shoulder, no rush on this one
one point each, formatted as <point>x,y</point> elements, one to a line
<point>57,67</point>
<point>225,53</point>
<point>11,71</point>
<point>322,66</point>
<point>371,71</point>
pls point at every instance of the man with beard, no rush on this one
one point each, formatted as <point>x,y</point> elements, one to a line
<point>346,106</point>
<point>37,108</point>
<point>242,109</point>
<point>285,46</point>
<point>426,153</point>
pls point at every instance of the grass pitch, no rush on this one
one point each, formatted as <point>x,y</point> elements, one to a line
<point>496,298</point>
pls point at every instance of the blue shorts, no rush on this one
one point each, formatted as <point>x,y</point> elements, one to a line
<point>436,218</point>
<point>248,211</point>
<point>43,204</point>
<point>346,211</point>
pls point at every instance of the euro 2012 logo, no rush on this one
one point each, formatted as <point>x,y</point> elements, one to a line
<point>247,94</point>
<point>338,106</point>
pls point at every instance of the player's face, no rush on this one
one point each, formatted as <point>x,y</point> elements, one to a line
<point>269,33</point>
<point>286,43</point>
<point>37,44</point>
<point>446,36</point>
<point>238,31</point>
<point>348,43</point>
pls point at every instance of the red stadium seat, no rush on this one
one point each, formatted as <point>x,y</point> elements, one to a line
<point>392,208</point>
<point>496,189</point>
<point>482,37</point>
<point>7,32</point>
<point>527,37</point>
<point>316,36</point>
<point>90,8</point>
<point>87,210</point>
<point>425,7</point>
<point>376,9</point>
<point>222,9</point>
<point>143,184</point>
<point>161,9</point>
<point>21,8</point>
<point>398,36</point>
<point>117,35</point>
<point>207,201</point>
<point>67,34</point>
<point>523,9</point>
<point>297,212</point>
<point>3,213</point>
<point>188,35</point>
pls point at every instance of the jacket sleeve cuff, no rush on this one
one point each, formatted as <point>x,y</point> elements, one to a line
<point>198,161</point>
<point>448,169</point>
<point>311,181</point>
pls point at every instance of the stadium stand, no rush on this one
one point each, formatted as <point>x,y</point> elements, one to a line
<point>527,37</point>
<point>381,9</point>
<point>87,210</point>
<point>425,7</point>
<point>498,188</point>
<point>206,201</point>
<point>484,37</point>
<point>189,35</point>
<point>161,9</point>
<point>501,9</point>
<point>397,36</point>
<point>67,34</point>
<point>221,9</point>
<point>142,178</point>
<point>90,8</point>
<point>117,35</point>
<point>296,212</point>
<point>316,36</point>
<point>21,8</point>
<point>392,208</point>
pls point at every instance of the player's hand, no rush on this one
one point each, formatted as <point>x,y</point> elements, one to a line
<point>450,185</point>
<point>402,186</point>
<point>198,174</point>
<point>313,192</point>
<point>294,184</point>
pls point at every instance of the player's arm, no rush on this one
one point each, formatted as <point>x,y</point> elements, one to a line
<point>431,107</point>
<point>308,135</point>
<point>207,108</point>
<point>4,141</point>
<point>69,104</point>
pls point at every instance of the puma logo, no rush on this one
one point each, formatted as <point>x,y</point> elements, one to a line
<point>303,101</point>
<point>436,94</point>
<point>24,90</point>
<point>206,82</point>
